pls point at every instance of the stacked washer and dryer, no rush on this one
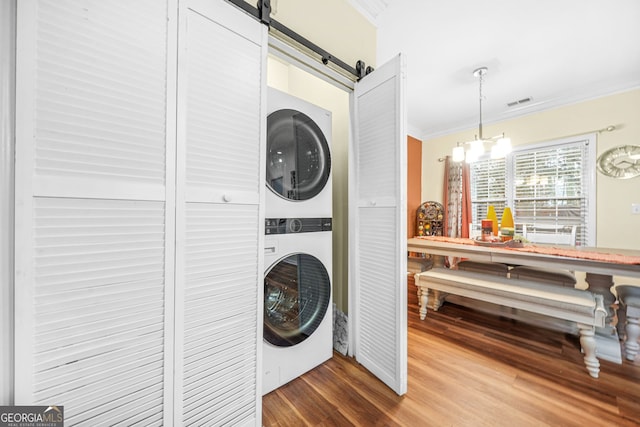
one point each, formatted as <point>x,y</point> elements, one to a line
<point>298,323</point>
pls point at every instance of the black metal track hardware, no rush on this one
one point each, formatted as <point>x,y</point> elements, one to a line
<point>262,13</point>
<point>264,7</point>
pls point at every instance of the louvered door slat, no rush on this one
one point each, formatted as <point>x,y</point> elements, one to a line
<point>128,405</point>
<point>222,124</point>
<point>96,86</point>
<point>219,308</point>
<point>90,328</point>
<point>80,376</point>
<point>378,270</point>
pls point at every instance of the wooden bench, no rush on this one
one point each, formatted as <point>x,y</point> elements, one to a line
<point>582,307</point>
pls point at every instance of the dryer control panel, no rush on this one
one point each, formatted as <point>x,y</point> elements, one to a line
<point>296,225</point>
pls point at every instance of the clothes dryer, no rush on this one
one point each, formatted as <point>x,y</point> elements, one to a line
<point>298,170</point>
<point>298,321</point>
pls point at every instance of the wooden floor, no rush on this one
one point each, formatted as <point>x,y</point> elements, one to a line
<point>466,369</point>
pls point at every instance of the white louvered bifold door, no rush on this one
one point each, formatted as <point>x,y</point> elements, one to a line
<point>94,209</point>
<point>377,241</point>
<point>222,59</point>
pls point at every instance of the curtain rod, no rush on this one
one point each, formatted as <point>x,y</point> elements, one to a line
<point>262,14</point>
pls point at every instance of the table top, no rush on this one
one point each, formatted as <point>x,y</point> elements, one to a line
<point>619,262</point>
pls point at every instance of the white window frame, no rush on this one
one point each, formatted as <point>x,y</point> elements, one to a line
<point>588,176</point>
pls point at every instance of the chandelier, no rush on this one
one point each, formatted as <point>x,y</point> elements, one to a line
<point>500,147</point>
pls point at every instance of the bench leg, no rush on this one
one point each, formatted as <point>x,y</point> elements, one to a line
<point>438,299</point>
<point>631,346</point>
<point>423,297</point>
<point>588,343</point>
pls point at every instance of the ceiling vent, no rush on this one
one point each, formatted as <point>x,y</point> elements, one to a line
<point>519,102</point>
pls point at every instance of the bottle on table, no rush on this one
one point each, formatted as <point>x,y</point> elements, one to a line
<point>491,214</point>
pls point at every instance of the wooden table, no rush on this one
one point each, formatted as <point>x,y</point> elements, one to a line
<point>599,273</point>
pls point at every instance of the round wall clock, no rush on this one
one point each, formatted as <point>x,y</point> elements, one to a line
<point>621,162</point>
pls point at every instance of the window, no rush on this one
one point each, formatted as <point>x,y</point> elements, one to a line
<point>552,183</point>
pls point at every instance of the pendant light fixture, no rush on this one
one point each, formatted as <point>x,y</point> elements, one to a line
<point>501,145</point>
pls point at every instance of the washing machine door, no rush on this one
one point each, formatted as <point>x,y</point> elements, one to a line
<point>298,156</point>
<point>297,291</point>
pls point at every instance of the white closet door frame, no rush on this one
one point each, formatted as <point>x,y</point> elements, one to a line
<point>7,145</point>
<point>377,225</point>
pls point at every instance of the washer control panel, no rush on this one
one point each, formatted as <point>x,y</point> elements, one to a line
<point>296,225</point>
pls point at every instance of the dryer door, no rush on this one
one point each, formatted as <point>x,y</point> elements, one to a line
<point>297,291</point>
<point>298,156</point>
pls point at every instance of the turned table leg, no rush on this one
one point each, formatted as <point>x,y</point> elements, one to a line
<point>588,343</point>
<point>607,339</point>
<point>629,298</point>
<point>631,346</point>
<point>601,284</point>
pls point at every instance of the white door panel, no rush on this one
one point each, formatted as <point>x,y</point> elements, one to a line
<point>94,190</point>
<point>219,215</point>
<point>377,288</point>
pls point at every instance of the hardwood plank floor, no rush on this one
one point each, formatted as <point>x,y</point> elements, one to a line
<point>466,368</point>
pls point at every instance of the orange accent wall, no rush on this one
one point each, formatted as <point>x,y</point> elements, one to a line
<point>414,182</point>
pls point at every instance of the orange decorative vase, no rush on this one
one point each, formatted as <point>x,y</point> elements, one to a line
<point>507,228</point>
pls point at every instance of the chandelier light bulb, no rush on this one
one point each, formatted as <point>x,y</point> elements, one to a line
<point>472,156</point>
<point>496,152</point>
<point>458,153</point>
<point>477,146</point>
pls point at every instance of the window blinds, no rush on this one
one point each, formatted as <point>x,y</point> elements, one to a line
<point>549,183</point>
<point>488,187</point>
<point>550,186</point>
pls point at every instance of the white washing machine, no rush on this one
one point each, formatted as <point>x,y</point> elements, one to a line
<point>298,320</point>
<point>298,158</point>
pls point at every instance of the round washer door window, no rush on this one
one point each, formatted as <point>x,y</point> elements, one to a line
<point>297,291</point>
<point>298,157</point>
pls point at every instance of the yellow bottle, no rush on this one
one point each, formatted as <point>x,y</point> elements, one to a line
<point>491,214</point>
<point>507,228</point>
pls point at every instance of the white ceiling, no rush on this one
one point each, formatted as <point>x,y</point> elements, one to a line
<point>555,51</point>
